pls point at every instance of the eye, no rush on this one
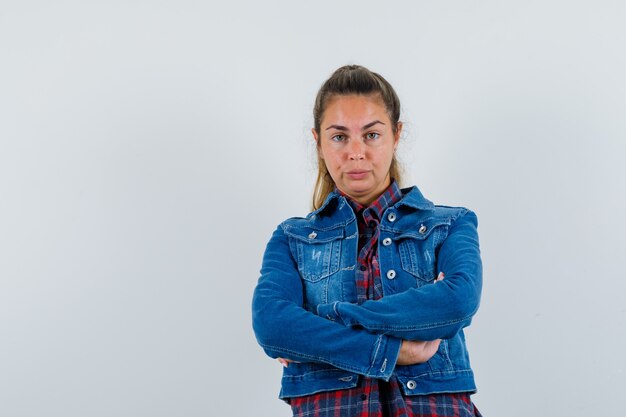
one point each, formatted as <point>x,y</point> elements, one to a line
<point>338,138</point>
<point>372,135</point>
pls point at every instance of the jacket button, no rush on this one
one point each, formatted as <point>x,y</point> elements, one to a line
<point>391,217</point>
<point>391,274</point>
<point>387,241</point>
<point>411,384</point>
<point>422,229</point>
<point>312,235</point>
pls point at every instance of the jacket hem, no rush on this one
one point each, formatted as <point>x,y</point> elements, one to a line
<point>444,383</point>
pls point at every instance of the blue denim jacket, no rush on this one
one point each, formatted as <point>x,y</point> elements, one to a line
<point>304,306</point>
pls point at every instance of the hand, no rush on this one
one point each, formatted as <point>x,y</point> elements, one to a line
<point>439,278</point>
<point>285,362</point>
<point>415,351</point>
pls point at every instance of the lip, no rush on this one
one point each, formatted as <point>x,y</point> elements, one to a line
<point>357,174</point>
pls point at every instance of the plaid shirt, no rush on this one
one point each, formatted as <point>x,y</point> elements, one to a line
<point>376,397</point>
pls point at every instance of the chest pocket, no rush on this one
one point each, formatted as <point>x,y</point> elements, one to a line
<point>418,249</point>
<point>318,252</point>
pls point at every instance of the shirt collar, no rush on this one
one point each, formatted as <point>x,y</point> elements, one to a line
<point>388,198</point>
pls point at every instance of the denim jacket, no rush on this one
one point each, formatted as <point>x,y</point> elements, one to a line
<point>304,306</point>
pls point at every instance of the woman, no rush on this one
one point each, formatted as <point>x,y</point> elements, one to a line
<point>364,301</point>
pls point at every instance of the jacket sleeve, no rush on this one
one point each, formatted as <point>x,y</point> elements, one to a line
<point>432,311</point>
<point>284,328</point>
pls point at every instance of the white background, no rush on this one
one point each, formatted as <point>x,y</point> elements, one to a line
<point>149,148</point>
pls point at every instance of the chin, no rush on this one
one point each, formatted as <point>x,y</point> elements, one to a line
<point>359,192</point>
<point>364,189</point>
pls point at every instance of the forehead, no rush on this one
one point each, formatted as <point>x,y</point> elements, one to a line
<point>354,109</point>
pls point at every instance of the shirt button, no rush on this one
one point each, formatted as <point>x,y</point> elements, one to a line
<point>312,235</point>
<point>391,217</point>
<point>422,229</point>
<point>387,241</point>
<point>362,267</point>
<point>372,224</point>
<point>411,384</point>
<point>391,274</point>
<point>363,397</point>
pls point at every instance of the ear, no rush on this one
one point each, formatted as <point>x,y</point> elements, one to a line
<point>317,142</point>
<point>396,139</point>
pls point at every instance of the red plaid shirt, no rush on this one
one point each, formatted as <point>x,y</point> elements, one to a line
<point>376,397</point>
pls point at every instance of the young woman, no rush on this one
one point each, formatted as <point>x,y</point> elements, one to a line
<point>364,301</point>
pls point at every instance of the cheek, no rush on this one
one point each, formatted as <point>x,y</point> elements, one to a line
<point>331,156</point>
<point>332,164</point>
<point>383,160</point>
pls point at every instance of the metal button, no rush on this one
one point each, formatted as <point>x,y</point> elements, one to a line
<point>391,274</point>
<point>411,384</point>
<point>387,241</point>
<point>422,229</point>
<point>312,235</point>
<point>391,217</point>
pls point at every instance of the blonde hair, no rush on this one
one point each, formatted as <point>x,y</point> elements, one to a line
<point>352,79</point>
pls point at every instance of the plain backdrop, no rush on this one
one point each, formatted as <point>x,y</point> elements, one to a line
<point>148,149</point>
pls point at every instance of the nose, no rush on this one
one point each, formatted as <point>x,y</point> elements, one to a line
<point>356,151</point>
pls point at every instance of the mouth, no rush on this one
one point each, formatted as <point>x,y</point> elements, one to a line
<point>357,174</point>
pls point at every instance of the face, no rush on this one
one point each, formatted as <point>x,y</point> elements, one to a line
<point>357,143</point>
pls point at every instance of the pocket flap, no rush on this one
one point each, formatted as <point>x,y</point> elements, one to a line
<point>422,230</point>
<point>311,235</point>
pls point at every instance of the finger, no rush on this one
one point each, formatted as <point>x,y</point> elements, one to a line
<point>440,277</point>
<point>283,362</point>
<point>434,346</point>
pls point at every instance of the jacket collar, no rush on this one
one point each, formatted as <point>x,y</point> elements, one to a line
<point>413,197</point>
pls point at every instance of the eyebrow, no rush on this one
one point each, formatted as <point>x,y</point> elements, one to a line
<point>343,128</point>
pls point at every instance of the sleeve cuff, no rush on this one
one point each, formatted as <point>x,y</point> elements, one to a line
<point>329,311</point>
<point>385,357</point>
